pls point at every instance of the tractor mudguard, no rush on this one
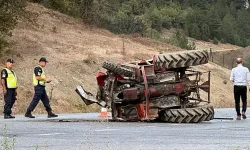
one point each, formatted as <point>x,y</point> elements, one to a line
<point>88,97</point>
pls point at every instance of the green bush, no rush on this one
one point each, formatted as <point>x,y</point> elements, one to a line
<point>179,39</point>
<point>124,23</point>
<point>247,62</point>
<point>215,41</point>
<point>223,41</point>
<point>151,33</point>
<point>191,46</point>
<point>248,41</point>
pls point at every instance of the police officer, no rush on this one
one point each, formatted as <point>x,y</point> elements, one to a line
<point>9,83</point>
<point>39,80</point>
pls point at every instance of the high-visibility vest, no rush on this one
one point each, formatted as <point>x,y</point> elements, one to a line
<point>11,79</point>
<point>37,82</point>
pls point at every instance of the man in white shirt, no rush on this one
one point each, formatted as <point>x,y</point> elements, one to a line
<point>241,78</point>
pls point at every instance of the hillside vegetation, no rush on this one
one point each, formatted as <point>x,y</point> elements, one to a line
<point>227,21</point>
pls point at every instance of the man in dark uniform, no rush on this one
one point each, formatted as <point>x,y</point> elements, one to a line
<point>9,83</point>
<point>39,80</point>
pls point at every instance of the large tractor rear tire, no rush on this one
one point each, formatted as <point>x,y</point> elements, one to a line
<point>117,69</point>
<point>181,59</point>
<point>187,115</point>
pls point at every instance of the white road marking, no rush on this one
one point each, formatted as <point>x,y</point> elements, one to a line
<point>48,134</point>
<point>106,130</point>
<point>150,126</point>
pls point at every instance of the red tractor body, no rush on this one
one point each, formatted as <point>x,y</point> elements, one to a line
<point>164,89</point>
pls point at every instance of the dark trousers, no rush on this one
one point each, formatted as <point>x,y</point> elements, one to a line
<point>40,94</point>
<point>9,99</point>
<point>240,92</point>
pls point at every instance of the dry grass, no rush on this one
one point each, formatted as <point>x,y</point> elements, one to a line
<point>76,52</point>
<point>221,93</point>
<point>201,45</point>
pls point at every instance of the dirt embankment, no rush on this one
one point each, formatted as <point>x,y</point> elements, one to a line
<point>76,52</point>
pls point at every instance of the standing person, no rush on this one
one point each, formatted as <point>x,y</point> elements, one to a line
<point>9,83</point>
<point>39,80</point>
<point>240,77</point>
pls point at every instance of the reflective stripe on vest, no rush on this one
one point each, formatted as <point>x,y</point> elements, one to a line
<point>37,82</point>
<point>11,79</point>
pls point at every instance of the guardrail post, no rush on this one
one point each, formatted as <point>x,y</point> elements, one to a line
<point>211,55</point>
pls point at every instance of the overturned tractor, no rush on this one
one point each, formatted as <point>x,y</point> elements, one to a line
<point>164,88</point>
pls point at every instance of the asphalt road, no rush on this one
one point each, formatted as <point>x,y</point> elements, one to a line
<point>87,131</point>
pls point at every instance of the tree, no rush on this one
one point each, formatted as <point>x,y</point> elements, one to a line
<point>214,24</point>
<point>222,8</point>
<point>179,39</point>
<point>172,15</point>
<point>203,4</point>
<point>194,31</point>
<point>86,9</point>
<point>126,22</point>
<point>240,4</point>
<point>205,32</point>
<point>154,16</point>
<point>228,24</point>
<point>243,23</point>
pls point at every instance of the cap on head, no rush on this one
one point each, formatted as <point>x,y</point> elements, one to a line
<point>43,59</point>
<point>239,60</point>
<point>10,60</point>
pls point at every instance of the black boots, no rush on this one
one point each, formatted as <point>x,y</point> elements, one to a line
<point>6,116</point>
<point>51,115</point>
<point>29,115</point>
<point>244,115</point>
